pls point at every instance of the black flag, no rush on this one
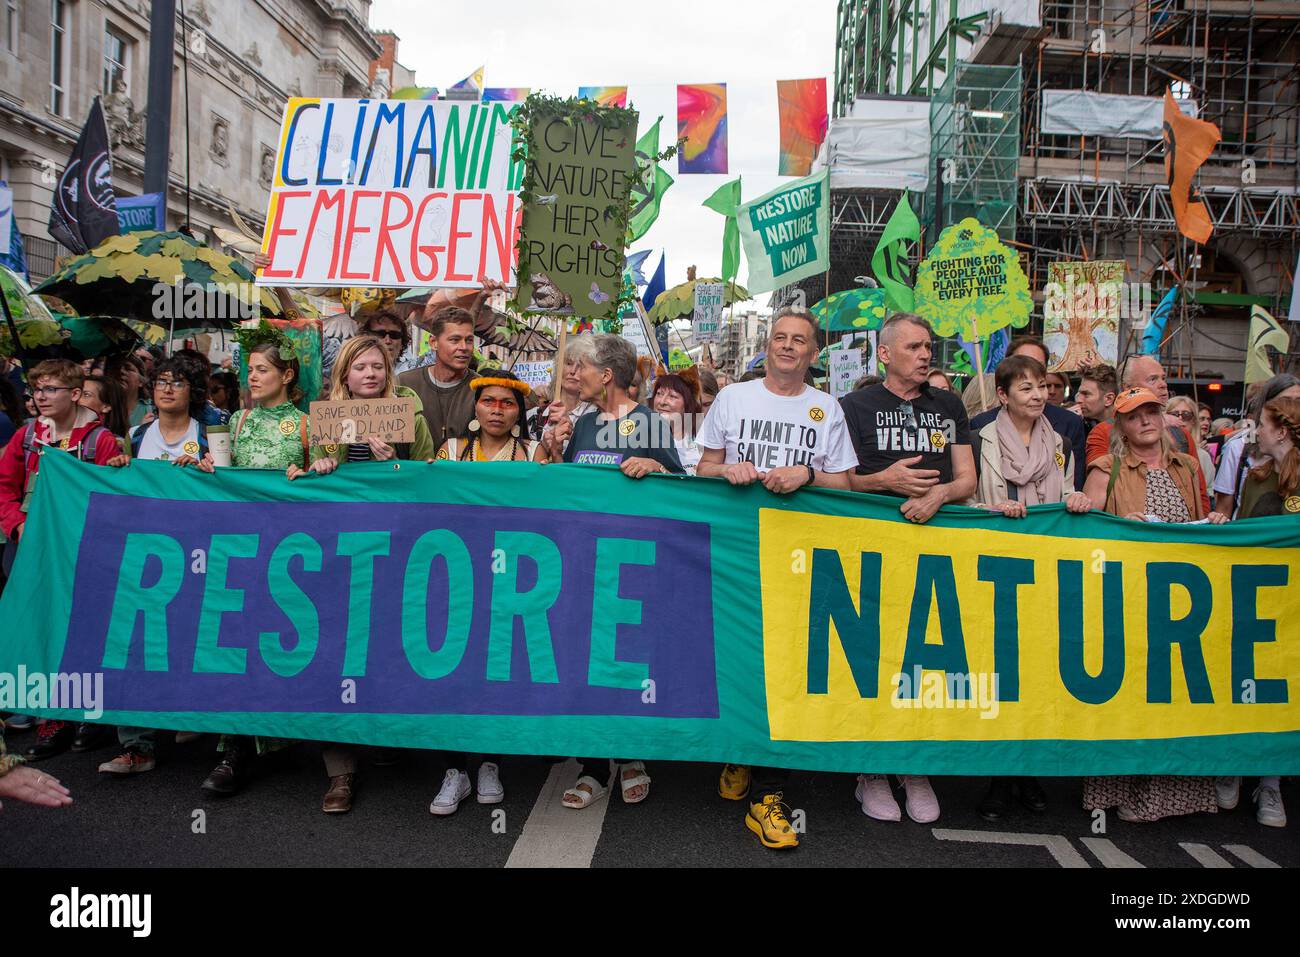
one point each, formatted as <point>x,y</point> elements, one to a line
<point>84,211</point>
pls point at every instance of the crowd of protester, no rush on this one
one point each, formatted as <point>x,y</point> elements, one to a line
<point>1118,444</point>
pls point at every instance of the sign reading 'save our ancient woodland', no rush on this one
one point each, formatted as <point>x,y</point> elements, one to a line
<point>356,420</point>
<point>582,168</point>
<point>392,193</point>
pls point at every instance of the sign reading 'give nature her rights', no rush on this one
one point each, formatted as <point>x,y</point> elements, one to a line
<point>392,193</point>
<point>674,618</point>
<point>581,164</point>
<point>355,420</point>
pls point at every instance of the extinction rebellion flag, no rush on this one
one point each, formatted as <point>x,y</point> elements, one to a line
<point>84,210</point>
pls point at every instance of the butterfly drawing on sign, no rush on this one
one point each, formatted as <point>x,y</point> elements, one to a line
<point>546,200</point>
<point>597,245</point>
<point>596,295</point>
<point>610,213</point>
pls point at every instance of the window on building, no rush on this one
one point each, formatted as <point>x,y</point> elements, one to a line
<point>59,57</point>
<point>11,25</point>
<point>116,50</point>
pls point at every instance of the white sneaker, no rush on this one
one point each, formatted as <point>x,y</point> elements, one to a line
<point>1268,807</point>
<point>489,788</point>
<point>922,804</point>
<point>455,788</point>
<point>877,798</point>
<point>1227,791</point>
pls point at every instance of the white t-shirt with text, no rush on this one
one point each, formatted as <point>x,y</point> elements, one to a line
<point>754,424</point>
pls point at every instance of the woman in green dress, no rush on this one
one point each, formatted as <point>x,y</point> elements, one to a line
<point>271,435</point>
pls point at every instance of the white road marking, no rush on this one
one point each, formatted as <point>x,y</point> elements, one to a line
<point>557,836</point>
<point>1204,855</point>
<point>1059,847</point>
<point>1249,855</point>
<point>1109,855</point>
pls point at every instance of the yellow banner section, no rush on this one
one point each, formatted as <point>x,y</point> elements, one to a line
<point>883,631</point>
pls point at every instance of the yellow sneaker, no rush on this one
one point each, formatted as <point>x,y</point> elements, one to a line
<point>768,820</point>
<point>733,783</point>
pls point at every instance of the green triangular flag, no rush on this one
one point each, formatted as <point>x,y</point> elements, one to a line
<point>649,186</point>
<point>889,262</point>
<point>726,201</point>
<point>1264,331</point>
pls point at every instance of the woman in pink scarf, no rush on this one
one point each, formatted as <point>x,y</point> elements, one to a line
<point>1021,461</point>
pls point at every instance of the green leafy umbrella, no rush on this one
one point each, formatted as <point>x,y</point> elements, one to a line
<point>679,301</point>
<point>35,323</point>
<point>852,310</point>
<point>120,277</point>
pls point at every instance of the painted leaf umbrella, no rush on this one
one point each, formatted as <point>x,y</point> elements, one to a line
<point>851,310</point>
<point>118,278</point>
<point>679,301</point>
<point>35,323</point>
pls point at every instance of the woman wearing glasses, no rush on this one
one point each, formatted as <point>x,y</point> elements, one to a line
<point>1182,410</point>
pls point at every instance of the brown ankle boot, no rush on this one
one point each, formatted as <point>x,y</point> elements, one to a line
<point>338,799</point>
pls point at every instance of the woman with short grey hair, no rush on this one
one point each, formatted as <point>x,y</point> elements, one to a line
<point>619,431</point>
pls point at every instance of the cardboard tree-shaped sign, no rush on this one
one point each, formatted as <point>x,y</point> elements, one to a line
<point>971,284</point>
<point>576,194</point>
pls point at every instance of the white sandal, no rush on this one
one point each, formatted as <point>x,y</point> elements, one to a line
<point>583,798</point>
<point>627,784</point>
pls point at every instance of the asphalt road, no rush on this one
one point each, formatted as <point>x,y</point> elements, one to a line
<point>162,819</point>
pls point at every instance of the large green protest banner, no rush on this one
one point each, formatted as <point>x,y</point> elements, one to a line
<point>786,233</point>
<point>433,605</point>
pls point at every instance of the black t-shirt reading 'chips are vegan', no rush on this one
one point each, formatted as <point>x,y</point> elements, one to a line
<point>885,428</point>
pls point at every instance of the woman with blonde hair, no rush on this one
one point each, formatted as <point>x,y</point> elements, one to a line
<point>1142,478</point>
<point>1183,411</point>
<point>363,369</point>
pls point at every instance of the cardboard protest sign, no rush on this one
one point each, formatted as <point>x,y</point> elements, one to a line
<point>1081,313</point>
<point>581,168</point>
<point>971,284</point>
<point>392,193</point>
<point>786,233</point>
<point>355,420</point>
<point>707,316</point>
<point>536,374</point>
<point>846,367</point>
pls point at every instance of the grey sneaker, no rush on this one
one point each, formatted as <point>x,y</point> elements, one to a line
<point>1227,791</point>
<point>1268,807</point>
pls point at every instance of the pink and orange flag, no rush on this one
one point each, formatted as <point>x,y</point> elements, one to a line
<point>702,120</point>
<point>801,105</point>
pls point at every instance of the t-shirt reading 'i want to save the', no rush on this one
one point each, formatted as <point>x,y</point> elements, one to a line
<point>754,424</point>
<point>886,428</point>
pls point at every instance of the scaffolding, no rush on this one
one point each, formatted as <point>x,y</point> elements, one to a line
<point>975,148</point>
<point>1074,197</point>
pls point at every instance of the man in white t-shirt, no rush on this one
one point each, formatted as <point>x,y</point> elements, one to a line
<point>785,434</point>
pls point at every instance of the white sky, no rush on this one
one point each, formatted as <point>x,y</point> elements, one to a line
<point>648,47</point>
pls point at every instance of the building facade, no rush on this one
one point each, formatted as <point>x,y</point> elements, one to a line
<point>236,63</point>
<point>997,73</point>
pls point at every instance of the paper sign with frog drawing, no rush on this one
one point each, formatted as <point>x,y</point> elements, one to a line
<point>581,165</point>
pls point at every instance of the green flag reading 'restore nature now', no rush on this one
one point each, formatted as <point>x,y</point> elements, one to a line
<point>727,201</point>
<point>648,189</point>
<point>786,233</point>
<point>889,262</point>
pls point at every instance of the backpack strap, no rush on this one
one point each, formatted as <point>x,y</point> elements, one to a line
<point>302,431</point>
<point>90,443</point>
<point>1114,474</point>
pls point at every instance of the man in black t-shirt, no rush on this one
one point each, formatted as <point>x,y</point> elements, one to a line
<point>912,441</point>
